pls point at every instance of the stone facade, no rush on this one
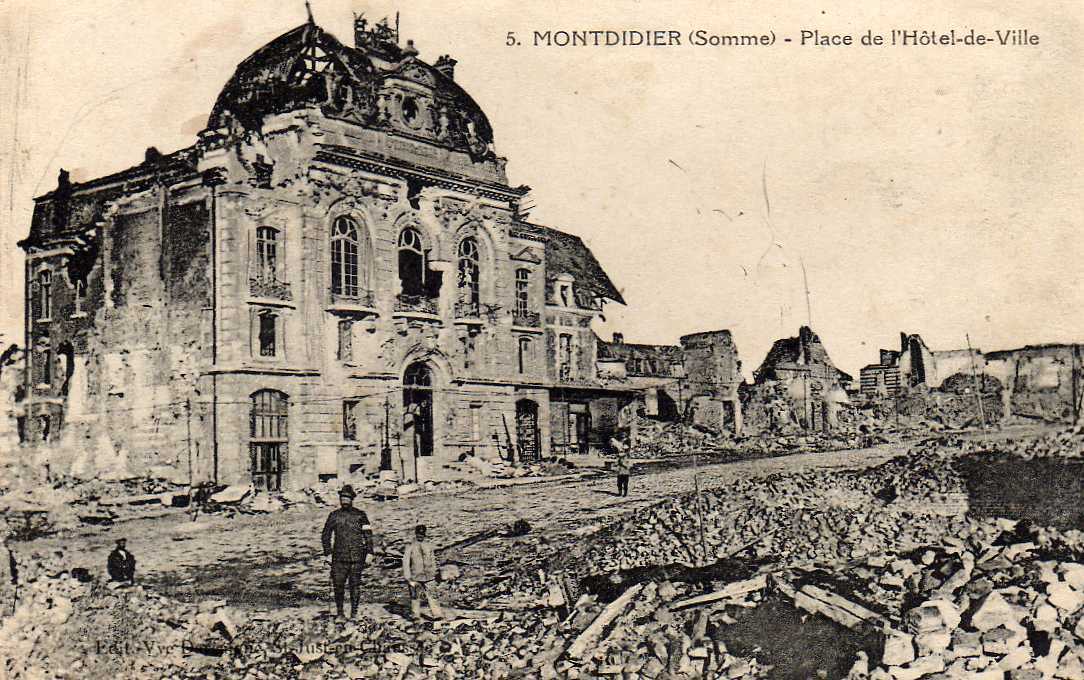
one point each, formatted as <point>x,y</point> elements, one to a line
<point>335,276</point>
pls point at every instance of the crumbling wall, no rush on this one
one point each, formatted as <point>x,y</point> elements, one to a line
<point>1041,382</point>
<point>129,349</point>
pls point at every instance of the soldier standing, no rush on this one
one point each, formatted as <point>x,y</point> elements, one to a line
<point>350,550</point>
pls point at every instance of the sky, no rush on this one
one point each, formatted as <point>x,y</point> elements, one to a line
<point>932,190</point>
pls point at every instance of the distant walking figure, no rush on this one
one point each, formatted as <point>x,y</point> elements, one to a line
<point>121,563</point>
<point>353,543</point>
<point>623,472</point>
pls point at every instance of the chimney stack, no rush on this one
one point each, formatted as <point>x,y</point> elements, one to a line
<point>446,65</point>
<point>619,338</point>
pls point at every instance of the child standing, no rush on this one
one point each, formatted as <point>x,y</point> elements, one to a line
<point>420,572</point>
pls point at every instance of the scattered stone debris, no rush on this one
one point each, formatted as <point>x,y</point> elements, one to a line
<point>885,570</point>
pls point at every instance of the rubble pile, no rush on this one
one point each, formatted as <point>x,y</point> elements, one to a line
<point>65,623</point>
<point>792,518</point>
<point>1004,600</point>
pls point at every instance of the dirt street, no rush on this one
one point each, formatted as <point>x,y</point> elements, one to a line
<point>274,561</point>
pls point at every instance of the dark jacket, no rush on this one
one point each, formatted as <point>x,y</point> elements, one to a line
<point>352,533</point>
<point>121,565</point>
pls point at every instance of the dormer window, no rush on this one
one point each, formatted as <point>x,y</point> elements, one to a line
<point>564,292</point>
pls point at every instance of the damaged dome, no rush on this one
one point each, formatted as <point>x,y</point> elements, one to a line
<point>377,84</point>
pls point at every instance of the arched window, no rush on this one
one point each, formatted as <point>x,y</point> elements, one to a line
<point>411,262</point>
<point>45,293</point>
<point>344,257</point>
<point>469,274</point>
<point>267,253</point>
<point>268,438</point>
<point>418,409</point>
<point>523,287</point>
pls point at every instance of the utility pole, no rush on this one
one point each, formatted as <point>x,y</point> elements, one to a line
<point>696,474</point>
<point>385,450</point>
<point>188,423</point>
<point>1075,376</point>
<point>975,382</point>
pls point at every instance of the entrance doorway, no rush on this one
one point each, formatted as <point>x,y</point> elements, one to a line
<point>579,425</point>
<point>527,431</point>
<point>418,409</point>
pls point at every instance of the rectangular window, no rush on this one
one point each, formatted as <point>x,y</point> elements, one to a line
<point>524,354</point>
<point>21,424</point>
<point>45,291</point>
<point>468,349</point>
<point>267,253</point>
<point>46,424</point>
<point>267,335</point>
<point>476,422</point>
<point>564,360</point>
<point>47,367</point>
<point>523,283</point>
<point>80,295</point>
<point>350,420</point>
<point>345,350</point>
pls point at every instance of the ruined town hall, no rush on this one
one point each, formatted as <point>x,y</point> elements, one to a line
<point>335,276</point>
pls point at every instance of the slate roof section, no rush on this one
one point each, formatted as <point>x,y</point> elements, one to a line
<point>568,254</point>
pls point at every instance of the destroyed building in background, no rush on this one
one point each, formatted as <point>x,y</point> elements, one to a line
<point>1036,381</point>
<point>796,387</point>
<point>336,276</point>
<point>696,381</point>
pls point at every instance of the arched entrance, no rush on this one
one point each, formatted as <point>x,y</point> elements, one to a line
<point>527,431</point>
<point>418,409</point>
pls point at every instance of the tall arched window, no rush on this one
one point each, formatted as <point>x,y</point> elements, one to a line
<point>418,409</point>
<point>45,292</point>
<point>345,260</point>
<point>411,262</point>
<point>267,253</point>
<point>523,287</point>
<point>268,438</point>
<point>469,274</point>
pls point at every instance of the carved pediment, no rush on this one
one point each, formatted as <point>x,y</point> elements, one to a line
<point>416,73</point>
<point>527,255</point>
<point>356,187</point>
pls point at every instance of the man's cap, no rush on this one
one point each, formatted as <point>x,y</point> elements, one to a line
<point>121,540</point>
<point>347,492</point>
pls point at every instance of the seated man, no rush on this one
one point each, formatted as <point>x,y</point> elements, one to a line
<point>121,564</point>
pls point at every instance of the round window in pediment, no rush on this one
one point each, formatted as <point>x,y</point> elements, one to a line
<point>411,112</point>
